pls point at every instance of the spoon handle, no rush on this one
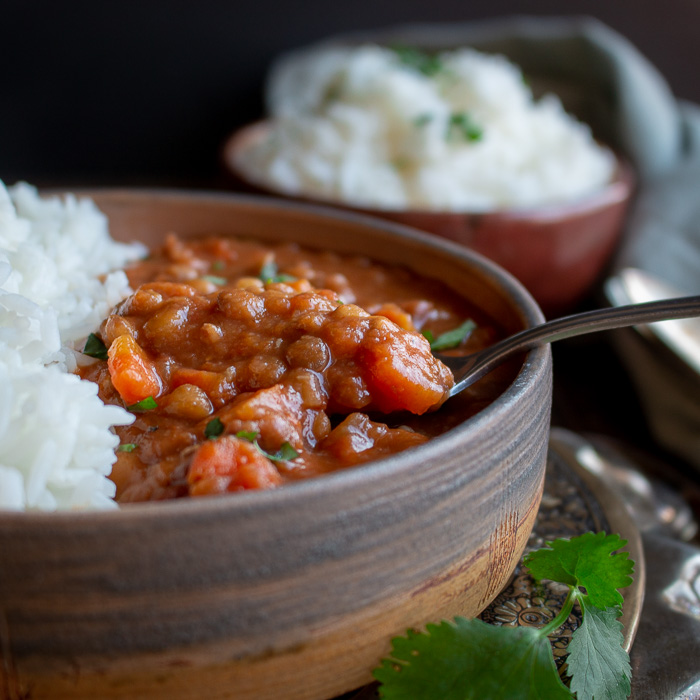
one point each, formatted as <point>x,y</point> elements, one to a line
<point>472,367</point>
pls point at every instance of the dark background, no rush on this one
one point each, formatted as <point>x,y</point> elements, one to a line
<point>144,92</point>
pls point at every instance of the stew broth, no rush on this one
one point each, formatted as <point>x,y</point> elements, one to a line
<point>250,365</point>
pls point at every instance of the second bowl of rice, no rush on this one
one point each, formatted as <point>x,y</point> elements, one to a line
<point>452,142</point>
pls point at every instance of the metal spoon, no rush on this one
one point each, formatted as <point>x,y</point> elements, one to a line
<point>469,368</point>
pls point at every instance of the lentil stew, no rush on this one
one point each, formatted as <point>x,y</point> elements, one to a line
<point>250,365</point>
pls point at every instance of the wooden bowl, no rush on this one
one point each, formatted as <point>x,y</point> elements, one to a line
<point>294,592</point>
<point>557,251</point>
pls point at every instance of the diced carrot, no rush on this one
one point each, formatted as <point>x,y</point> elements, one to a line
<point>133,374</point>
<point>207,381</point>
<point>230,464</point>
<point>279,399</point>
<point>402,373</point>
<point>396,314</point>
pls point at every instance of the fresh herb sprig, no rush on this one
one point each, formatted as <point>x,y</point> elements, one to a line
<point>269,273</point>
<point>461,126</point>
<point>285,453</point>
<point>469,659</point>
<point>214,428</point>
<point>215,279</point>
<point>425,63</point>
<point>94,347</point>
<point>147,404</point>
<point>450,339</point>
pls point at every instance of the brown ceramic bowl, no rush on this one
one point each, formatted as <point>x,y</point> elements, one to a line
<point>557,251</point>
<point>294,592</point>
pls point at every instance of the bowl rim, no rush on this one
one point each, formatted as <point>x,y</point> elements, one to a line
<point>617,190</point>
<point>536,364</point>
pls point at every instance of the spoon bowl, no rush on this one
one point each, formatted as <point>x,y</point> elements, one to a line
<point>468,369</point>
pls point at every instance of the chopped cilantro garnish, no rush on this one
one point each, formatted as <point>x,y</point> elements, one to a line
<point>147,404</point>
<point>94,347</point>
<point>423,62</point>
<point>249,435</point>
<point>286,452</point>
<point>450,339</point>
<point>461,125</point>
<point>126,447</point>
<point>269,273</point>
<point>214,279</point>
<point>214,428</point>
<point>466,658</point>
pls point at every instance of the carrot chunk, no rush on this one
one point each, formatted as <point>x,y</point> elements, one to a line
<point>230,464</point>
<point>207,381</point>
<point>402,373</point>
<point>133,374</point>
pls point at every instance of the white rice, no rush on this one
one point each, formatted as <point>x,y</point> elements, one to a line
<point>57,283</point>
<point>362,126</point>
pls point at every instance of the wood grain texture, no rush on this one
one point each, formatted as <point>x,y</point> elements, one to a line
<point>245,596</point>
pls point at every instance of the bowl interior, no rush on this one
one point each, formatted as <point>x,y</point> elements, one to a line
<point>146,215</point>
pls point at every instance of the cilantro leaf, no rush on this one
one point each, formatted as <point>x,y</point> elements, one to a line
<point>470,660</point>
<point>147,404</point>
<point>268,270</point>
<point>462,126</point>
<point>286,452</point>
<point>213,428</point>
<point>126,447</point>
<point>586,561</point>
<point>451,339</point>
<point>214,279</point>
<point>94,347</point>
<point>597,663</point>
<point>269,273</point>
<point>423,62</point>
<point>249,435</point>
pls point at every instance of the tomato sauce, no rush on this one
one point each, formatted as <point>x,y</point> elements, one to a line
<point>251,365</point>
